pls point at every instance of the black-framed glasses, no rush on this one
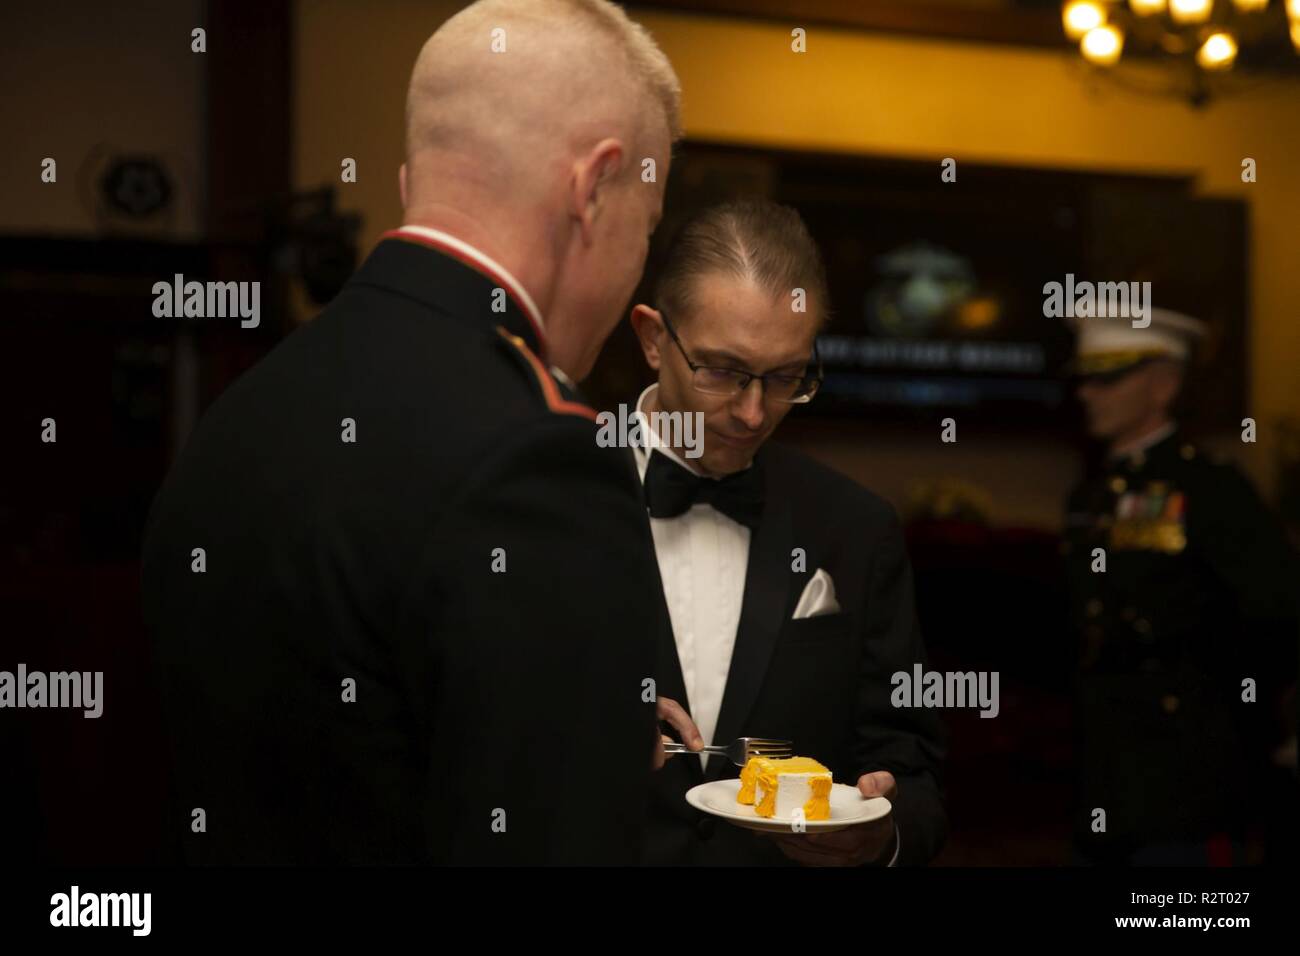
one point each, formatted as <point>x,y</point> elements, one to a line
<point>730,382</point>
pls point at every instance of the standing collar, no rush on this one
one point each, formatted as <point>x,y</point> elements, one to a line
<point>476,259</point>
<point>1137,449</point>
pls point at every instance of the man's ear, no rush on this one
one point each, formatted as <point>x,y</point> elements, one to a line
<point>401,183</point>
<point>593,176</point>
<point>649,329</point>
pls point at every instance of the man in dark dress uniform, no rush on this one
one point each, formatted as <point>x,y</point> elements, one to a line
<point>393,552</point>
<point>1182,594</point>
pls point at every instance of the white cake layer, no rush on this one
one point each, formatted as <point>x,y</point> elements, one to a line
<point>793,791</point>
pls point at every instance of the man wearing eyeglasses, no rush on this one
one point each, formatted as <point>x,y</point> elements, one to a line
<point>787,587</point>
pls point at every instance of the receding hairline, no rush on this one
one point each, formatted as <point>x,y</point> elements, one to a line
<point>753,241</point>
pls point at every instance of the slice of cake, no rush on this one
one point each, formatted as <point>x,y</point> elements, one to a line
<point>777,788</point>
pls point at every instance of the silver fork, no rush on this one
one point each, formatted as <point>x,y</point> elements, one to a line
<point>739,750</point>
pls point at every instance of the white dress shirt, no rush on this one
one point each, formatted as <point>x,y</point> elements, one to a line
<point>703,556</point>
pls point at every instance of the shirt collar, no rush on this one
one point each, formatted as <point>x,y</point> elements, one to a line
<point>477,259</point>
<point>649,440</point>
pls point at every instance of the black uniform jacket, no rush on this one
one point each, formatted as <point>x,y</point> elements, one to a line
<point>1197,596</point>
<point>426,644</point>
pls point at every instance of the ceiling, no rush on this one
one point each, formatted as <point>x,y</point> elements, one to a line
<point>1021,22</point>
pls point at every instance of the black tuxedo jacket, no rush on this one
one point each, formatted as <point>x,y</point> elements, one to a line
<point>379,562</point>
<point>821,682</point>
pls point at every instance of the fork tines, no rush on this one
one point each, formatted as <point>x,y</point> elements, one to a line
<point>761,747</point>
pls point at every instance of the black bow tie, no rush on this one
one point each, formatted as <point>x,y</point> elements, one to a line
<point>670,490</point>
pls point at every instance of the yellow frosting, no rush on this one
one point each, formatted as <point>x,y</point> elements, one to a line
<point>818,806</point>
<point>762,773</point>
<point>748,775</point>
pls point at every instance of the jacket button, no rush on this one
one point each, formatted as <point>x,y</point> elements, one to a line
<point>705,827</point>
<point>1169,703</point>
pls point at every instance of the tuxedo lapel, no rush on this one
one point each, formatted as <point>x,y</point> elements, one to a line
<point>767,592</point>
<point>668,677</point>
<point>669,681</point>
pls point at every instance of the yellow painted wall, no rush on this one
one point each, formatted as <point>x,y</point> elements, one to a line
<point>885,95</point>
<point>70,93</point>
<point>918,98</point>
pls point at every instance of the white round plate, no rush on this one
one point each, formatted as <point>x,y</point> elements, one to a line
<point>848,807</point>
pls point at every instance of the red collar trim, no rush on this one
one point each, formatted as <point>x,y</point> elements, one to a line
<point>468,255</point>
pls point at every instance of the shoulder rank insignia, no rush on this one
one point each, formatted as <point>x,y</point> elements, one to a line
<point>555,401</point>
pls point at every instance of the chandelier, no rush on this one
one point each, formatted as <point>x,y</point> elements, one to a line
<point>1204,36</point>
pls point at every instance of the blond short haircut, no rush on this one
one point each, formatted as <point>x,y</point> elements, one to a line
<point>645,60</point>
<point>451,89</point>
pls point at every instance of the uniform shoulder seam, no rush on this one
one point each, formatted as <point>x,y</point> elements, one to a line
<point>550,390</point>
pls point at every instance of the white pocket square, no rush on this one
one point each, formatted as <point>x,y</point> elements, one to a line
<point>818,597</point>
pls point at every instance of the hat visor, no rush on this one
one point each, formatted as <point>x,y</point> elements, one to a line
<point>1111,363</point>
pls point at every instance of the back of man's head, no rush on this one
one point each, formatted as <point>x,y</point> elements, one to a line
<point>513,101</point>
<point>538,70</point>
